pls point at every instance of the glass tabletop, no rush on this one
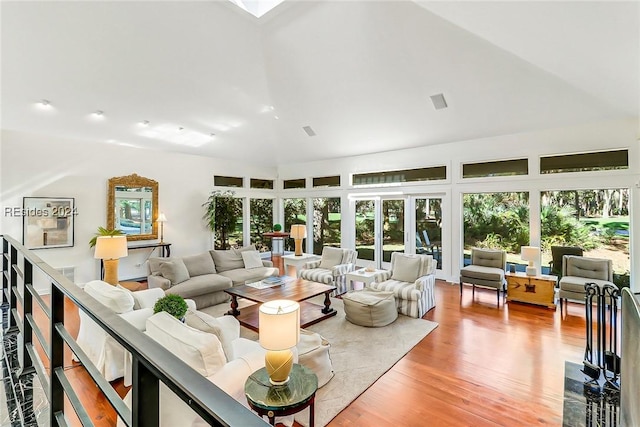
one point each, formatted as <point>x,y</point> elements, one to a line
<point>302,385</point>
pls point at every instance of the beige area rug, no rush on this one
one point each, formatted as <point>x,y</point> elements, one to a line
<point>359,355</point>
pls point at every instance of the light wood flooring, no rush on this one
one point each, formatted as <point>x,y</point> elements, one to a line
<point>483,366</point>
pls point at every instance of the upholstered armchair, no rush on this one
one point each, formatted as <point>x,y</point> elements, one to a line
<point>135,307</point>
<point>577,271</point>
<point>331,269</point>
<point>558,253</point>
<point>486,270</point>
<point>412,280</point>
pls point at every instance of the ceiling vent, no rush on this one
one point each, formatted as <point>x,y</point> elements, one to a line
<point>309,131</point>
<point>438,101</point>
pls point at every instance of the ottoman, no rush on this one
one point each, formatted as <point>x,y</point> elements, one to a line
<point>313,352</point>
<point>369,307</point>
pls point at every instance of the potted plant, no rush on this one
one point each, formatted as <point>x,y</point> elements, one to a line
<point>173,304</point>
<point>222,211</point>
<point>104,232</point>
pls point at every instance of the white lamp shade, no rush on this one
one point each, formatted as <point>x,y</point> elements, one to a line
<point>529,253</point>
<point>111,247</point>
<point>162,217</point>
<point>298,231</point>
<point>279,324</point>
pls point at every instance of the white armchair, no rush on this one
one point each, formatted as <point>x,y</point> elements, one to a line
<point>412,280</point>
<point>105,352</point>
<point>331,269</point>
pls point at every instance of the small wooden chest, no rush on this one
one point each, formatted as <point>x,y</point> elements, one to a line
<point>539,290</point>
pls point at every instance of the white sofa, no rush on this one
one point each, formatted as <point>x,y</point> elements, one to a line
<point>135,307</point>
<point>219,354</point>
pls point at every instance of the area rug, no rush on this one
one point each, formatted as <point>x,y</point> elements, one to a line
<point>359,355</point>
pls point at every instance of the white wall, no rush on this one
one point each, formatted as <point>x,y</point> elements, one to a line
<point>592,137</point>
<point>37,165</point>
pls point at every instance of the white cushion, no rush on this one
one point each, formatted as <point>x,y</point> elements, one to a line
<point>200,350</point>
<point>406,269</point>
<point>331,257</point>
<point>117,299</point>
<point>251,259</point>
<point>206,323</point>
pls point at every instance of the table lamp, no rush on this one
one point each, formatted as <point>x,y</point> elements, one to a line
<point>162,219</point>
<point>298,232</point>
<point>531,254</point>
<point>110,249</point>
<point>279,325</point>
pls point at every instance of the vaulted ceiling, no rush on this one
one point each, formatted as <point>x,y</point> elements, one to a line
<point>359,73</point>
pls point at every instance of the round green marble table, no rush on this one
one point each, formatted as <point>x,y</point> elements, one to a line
<point>279,400</point>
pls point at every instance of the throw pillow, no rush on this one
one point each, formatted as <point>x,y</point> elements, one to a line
<point>175,271</point>
<point>251,259</point>
<point>154,264</point>
<point>206,323</point>
<point>406,268</point>
<point>198,265</point>
<point>331,257</point>
<point>136,304</point>
<point>117,299</point>
<point>231,259</point>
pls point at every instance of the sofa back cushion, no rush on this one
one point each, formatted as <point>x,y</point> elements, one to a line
<point>153,265</point>
<point>331,257</point>
<point>198,265</point>
<point>117,299</point>
<point>251,259</point>
<point>200,350</point>
<point>231,259</point>
<point>175,271</point>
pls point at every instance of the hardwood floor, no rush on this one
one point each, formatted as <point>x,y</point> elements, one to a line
<point>483,366</point>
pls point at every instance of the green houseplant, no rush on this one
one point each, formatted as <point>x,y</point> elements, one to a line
<point>173,304</point>
<point>104,232</point>
<point>222,211</point>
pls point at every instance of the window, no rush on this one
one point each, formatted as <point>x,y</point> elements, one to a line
<point>428,221</point>
<point>595,220</point>
<point>266,184</point>
<point>496,221</point>
<point>407,175</point>
<point>295,212</point>
<point>261,217</point>
<point>228,181</point>
<point>294,183</point>
<point>605,160</point>
<point>326,223</point>
<point>499,168</point>
<point>365,229</point>
<point>327,181</point>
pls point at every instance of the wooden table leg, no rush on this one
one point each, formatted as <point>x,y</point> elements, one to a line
<point>327,304</point>
<point>312,413</point>
<point>234,306</point>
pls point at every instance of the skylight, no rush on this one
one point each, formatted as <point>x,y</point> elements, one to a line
<point>257,7</point>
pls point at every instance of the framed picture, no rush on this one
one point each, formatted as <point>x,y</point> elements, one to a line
<point>48,222</point>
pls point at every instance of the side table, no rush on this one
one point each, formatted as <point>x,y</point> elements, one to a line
<point>297,261</point>
<point>279,400</point>
<point>361,275</point>
<point>538,289</point>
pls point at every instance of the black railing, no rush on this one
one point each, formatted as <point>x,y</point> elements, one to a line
<point>151,364</point>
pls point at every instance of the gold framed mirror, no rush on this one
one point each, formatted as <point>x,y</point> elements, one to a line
<point>132,206</point>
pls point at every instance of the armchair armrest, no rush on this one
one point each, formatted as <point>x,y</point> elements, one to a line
<point>341,269</point>
<point>267,263</point>
<point>138,318</point>
<point>382,276</point>
<point>311,264</point>
<point>421,282</point>
<point>158,282</point>
<point>148,297</point>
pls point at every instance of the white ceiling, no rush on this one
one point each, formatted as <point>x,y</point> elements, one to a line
<point>359,73</point>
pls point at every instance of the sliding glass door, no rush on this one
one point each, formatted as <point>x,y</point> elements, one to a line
<point>427,227</point>
<point>380,230</point>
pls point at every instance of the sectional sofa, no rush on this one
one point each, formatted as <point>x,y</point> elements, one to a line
<point>204,277</point>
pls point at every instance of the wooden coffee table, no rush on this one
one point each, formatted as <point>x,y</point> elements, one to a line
<point>297,290</point>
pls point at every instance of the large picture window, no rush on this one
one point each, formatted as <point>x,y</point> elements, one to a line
<point>295,212</point>
<point>595,220</point>
<point>261,211</point>
<point>326,223</point>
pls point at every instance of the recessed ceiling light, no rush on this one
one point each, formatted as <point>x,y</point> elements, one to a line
<point>212,134</point>
<point>180,129</point>
<point>98,114</point>
<point>276,117</point>
<point>144,123</point>
<point>45,103</point>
